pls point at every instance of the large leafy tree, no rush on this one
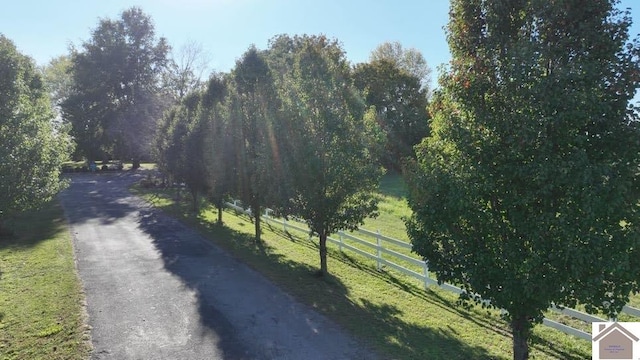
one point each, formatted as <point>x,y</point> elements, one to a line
<point>117,98</point>
<point>526,194</point>
<point>331,171</point>
<point>401,106</point>
<point>254,110</point>
<point>33,148</point>
<point>410,60</point>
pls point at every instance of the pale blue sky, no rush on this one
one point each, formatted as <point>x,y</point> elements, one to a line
<point>44,29</point>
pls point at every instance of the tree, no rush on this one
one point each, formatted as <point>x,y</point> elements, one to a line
<point>205,144</point>
<point>185,69</point>
<point>218,147</point>
<point>193,143</point>
<point>171,141</point>
<point>401,105</point>
<point>58,79</point>
<point>526,193</point>
<point>117,97</point>
<point>253,112</point>
<point>180,143</point>
<point>331,171</point>
<point>410,60</point>
<point>33,149</point>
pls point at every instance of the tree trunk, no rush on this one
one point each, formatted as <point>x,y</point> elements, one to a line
<point>194,198</point>
<point>135,164</point>
<point>323,253</point>
<point>255,210</point>
<point>220,206</point>
<point>521,329</point>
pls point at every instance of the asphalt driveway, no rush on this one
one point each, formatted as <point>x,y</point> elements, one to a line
<point>156,289</point>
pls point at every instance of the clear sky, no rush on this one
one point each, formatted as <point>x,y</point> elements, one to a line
<point>44,29</point>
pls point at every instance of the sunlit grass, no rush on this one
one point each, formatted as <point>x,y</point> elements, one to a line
<point>41,300</point>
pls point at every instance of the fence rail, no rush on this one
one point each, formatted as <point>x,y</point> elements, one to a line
<point>423,275</point>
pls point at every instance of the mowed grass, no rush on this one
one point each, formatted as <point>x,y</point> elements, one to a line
<point>388,311</point>
<point>41,299</point>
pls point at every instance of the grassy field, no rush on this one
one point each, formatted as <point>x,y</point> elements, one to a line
<point>41,300</point>
<point>388,311</point>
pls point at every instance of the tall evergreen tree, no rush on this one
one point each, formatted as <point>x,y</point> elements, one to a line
<point>526,194</point>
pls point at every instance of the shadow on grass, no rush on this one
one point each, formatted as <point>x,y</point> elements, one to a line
<point>31,227</point>
<point>392,184</point>
<point>488,322</point>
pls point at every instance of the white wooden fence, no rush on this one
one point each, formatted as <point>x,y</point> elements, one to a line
<point>423,276</point>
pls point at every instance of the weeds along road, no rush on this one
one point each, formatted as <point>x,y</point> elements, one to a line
<point>155,289</point>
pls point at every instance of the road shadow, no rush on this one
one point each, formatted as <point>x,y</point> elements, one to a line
<point>99,196</point>
<point>328,295</point>
<point>182,251</point>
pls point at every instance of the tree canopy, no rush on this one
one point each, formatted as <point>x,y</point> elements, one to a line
<point>332,172</point>
<point>33,148</point>
<point>401,106</point>
<point>254,111</point>
<point>117,100</point>
<point>410,60</point>
<point>526,193</point>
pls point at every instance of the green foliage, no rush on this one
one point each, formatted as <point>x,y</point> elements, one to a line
<point>117,99</point>
<point>193,146</point>
<point>254,112</point>
<point>409,60</point>
<point>401,107</point>
<point>58,79</point>
<point>526,193</point>
<point>33,148</point>
<point>332,173</point>
<point>217,143</point>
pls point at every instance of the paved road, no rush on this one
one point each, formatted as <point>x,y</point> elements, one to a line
<point>156,290</point>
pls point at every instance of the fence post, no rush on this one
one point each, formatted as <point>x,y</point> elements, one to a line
<point>379,252</point>
<point>425,269</point>
<point>284,224</point>
<point>340,237</point>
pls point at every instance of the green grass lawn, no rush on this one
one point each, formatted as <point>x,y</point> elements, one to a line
<point>387,310</point>
<point>41,300</point>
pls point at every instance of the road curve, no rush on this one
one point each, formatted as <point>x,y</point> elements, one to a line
<point>156,289</point>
